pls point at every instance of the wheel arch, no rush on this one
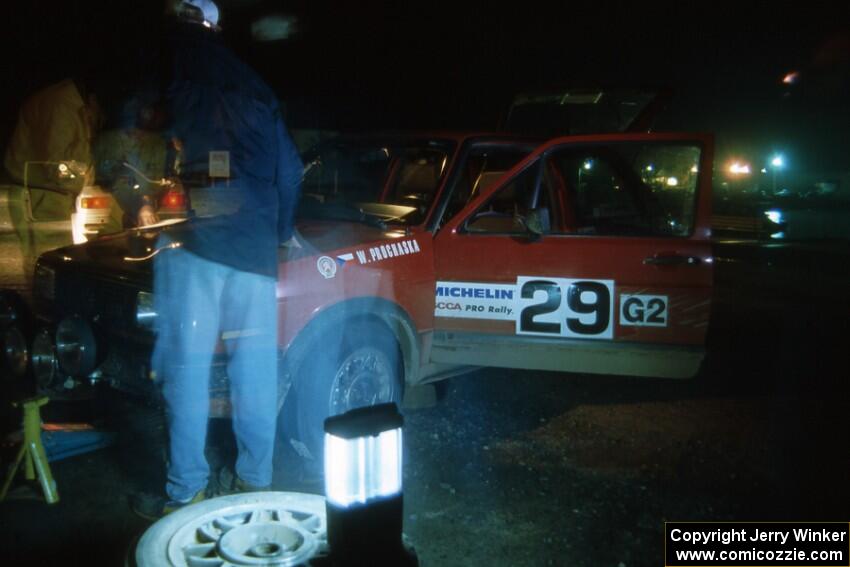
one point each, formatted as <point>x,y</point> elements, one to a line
<point>383,311</point>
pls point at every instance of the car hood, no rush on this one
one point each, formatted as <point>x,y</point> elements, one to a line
<point>326,236</point>
<point>128,256</point>
<point>585,111</point>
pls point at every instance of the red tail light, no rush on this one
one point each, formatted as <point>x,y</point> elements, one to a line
<point>101,202</point>
<point>174,200</point>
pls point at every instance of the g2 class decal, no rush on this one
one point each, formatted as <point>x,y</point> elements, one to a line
<point>643,310</point>
<point>543,306</point>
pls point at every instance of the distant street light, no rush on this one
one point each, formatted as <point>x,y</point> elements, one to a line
<point>738,168</point>
<point>587,166</point>
<point>777,163</point>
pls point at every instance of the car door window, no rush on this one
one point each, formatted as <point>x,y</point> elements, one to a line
<point>630,189</point>
<point>504,211</point>
<point>618,189</point>
<point>482,167</point>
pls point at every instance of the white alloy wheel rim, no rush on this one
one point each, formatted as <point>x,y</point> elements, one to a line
<point>256,528</point>
<point>364,378</point>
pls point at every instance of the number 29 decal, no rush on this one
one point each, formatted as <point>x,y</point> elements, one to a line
<point>562,307</point>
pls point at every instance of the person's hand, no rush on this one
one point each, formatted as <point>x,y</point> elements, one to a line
<point>173,184</point>
<point>147,216</point>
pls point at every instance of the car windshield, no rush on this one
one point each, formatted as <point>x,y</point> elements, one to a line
<point>394,181</point>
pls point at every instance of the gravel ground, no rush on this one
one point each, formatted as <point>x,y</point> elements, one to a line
<point>519,468</point>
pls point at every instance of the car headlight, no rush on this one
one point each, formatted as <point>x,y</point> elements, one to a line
<point>145,311</point>
<point>76,348</point>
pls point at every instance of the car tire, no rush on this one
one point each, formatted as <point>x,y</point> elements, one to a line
<point>359,366</point>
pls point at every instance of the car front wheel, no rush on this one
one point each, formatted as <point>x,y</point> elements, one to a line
<point>361,366</point>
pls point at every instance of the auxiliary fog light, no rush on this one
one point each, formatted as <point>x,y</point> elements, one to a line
<point>76,348</point>
<point>44,364</point>
<point>363,486</point>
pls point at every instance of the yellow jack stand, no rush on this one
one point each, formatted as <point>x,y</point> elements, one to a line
<point>32,452</point>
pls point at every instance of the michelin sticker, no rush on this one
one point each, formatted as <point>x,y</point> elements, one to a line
<point>387,251</point>
<point>476,301</point>
<point>570,308</point>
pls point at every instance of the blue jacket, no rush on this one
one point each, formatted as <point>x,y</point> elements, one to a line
<point>214,102</point>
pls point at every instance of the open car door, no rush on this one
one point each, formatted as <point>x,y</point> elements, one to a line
<point>591,255</point>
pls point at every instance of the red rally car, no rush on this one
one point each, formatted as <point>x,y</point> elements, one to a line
<point>419,256</point>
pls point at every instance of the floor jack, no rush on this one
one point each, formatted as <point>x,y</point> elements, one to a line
<point>59,440</point>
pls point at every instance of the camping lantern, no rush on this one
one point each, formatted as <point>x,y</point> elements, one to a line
<point>363,486</point>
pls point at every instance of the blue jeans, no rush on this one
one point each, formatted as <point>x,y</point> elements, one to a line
<point>199,302</point>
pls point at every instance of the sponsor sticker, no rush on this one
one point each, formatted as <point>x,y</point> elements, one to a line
<point>326,266</point>
<point>343,258</point>
<point>386,251</point>
<point>476,301</point>
<point>571,308</point>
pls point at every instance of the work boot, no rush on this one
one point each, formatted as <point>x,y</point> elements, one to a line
<point>241,486</point>
<point>154,507</point>
<point>229,483</point>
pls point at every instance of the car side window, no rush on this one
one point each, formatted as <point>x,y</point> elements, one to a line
<point>483,166</point>
<point>630,189</point>
<point>603,202</point>
<point>417,177</point>
<point>505,211</point>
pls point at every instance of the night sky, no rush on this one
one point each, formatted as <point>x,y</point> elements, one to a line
<point>455,65</point>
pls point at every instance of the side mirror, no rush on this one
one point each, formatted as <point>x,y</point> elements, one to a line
<point>538,221</point>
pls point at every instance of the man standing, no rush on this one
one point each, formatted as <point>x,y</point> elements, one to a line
<point>49,156</point>
<point>55,125</point>
<point>215,277</point>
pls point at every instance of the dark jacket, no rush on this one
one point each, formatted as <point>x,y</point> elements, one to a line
<point>214,102</point>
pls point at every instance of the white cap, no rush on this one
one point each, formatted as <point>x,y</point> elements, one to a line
<point>207,8</point>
